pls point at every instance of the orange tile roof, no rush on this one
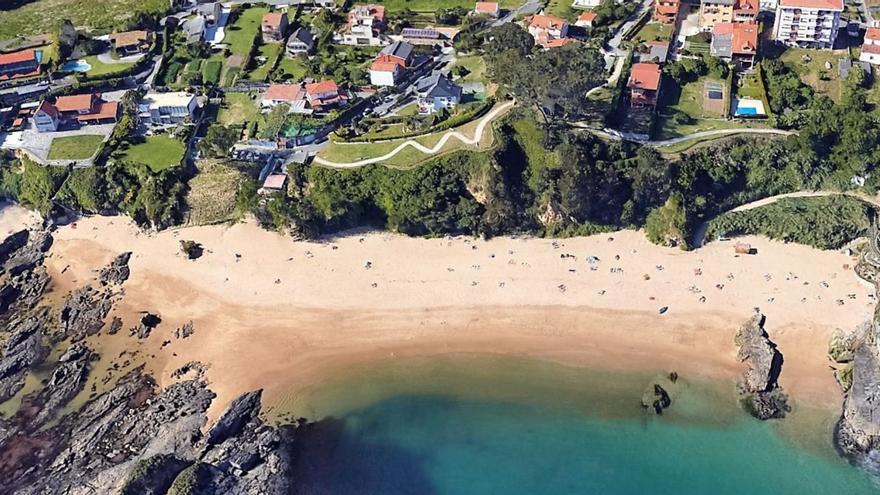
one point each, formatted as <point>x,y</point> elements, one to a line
<point>645,76</point>
<point>48,108</point>
<point>872,49</point>
<point>556,43</point>
<point>872,33</point>
<point>547,22</point>
<point>17,57</point>
<point>273,20</point>
<point>813,4</point>
<point>286,92</point>
<point>486,7</point>
<point>385,64</point>
<point>74,103</point>
<point>103,110</point>
<point>745,36</point>
<point>328,86</point>
<point>746,6</point>
<point>587,16</point>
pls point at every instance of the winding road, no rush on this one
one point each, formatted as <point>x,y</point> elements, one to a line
<point>478,136</point>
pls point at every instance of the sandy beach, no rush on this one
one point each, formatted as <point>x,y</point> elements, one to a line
<point>276,314</point>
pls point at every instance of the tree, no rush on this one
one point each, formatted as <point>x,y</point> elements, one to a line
<point>276,121</point>
<point>65,37</point>
<point>217,141</point>
<point>667,225</point>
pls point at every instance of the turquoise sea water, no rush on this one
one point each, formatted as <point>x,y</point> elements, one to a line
<point>490,427</point>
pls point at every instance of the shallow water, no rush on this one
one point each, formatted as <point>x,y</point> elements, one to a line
<point>474,424</point>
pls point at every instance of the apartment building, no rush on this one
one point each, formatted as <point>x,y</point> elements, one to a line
<point>807,23</point>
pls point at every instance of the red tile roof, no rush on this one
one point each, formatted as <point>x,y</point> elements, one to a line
<point>547,22</point>
<point>48,108</point>
<point>645,76</point>
<point>558,42</point>
<point>813,4</point>
<point>285,92</point>
<point>74,103</point>
<point>385,65</point>
<point>17,57</point>
<point>745,36</point>
<point>872,33</point>
<point>872,49</point>
<point>486,7</point>
<point>587,16</point>
<point>103,110</point>
<point>273,20</point>
<point>328,86</point>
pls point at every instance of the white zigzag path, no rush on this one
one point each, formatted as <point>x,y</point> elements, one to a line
<point>478,136</point>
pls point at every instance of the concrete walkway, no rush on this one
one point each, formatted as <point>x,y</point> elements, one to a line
<point>616,135</point>
<point>478,136</point>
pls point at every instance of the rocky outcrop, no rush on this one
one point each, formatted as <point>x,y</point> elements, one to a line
<point>758,387</point>
<point>146,325</point>
<point>656,398</point>
<point>117,272</point>
<point>24,348</point>
<point>18,258</point>
<point>240,412</point>
<point>83,313</point>
<point>67,380</point>
<point>858,432</point>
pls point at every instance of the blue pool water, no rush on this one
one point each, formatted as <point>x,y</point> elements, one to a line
<point>507,429</point>
<point>746,111</point>
<point>76,66</point>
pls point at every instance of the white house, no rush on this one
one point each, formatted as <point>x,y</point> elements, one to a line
<point>390,64</point>
<point>167,108</point>
<point>437,93</point>
<point>871,48</point>
<point>292,95</point>
<point>586,4</point>
<point>807,23</point>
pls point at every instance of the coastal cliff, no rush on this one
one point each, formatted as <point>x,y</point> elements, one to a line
<point>858,432</point>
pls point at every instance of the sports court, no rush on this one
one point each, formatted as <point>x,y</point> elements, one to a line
<point>713,97</point>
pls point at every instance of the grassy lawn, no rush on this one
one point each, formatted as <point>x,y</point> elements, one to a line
<point>653,31</point>
<point>475,66</point>
<point>562,8</point>
<point>75,147</point>
<point>99,68</point>
<point>237,109</point>
<point>292,66</point>
<point>40,16</point>
<point>271,52</point>
<point>157,152</point>
<point>690,98</point>
<point>211,196</point>
<point>240,35</point>
<point>824,81</point>
<point>667,128</point>
<point>749,87</point>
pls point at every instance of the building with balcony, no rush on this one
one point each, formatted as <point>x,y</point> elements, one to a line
<point>807,23</point>
<point>714,11</point>
<point>644,84</point>
<point>871,48</point>
<point>366,25</point>
<point>736,43</point>
<point>666,11</point>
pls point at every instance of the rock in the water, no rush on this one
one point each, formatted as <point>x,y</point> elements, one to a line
<point>759,383</point>
<point>24,348</point>
<point>68,378</point>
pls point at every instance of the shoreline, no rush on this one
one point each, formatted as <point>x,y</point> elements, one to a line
<point>265,307</point>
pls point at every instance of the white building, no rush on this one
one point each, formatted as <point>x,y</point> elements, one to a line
<point>586,4</point>
<point>807,23</point>
<point>167,108</point>
<point>769,5</point>
<point>871,48</point>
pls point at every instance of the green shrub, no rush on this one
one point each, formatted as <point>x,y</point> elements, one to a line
<point>212,71</point>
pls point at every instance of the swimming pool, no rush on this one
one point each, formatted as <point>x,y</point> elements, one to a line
<point>76,66</point>
<point>748,107</point>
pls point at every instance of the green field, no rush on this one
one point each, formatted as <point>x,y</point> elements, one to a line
<point>75,147</point>
<point>270,51</point>
<point>237,108</point>
<point>476,67</point>
<point>157,152</point>
<point>824,81</point>
<point>292,66</point>
<point>240,35</point>
<point>40,16</point>
<point>653,31</point>
<point>101,69</point>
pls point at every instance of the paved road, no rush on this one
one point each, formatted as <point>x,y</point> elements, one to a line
<point>478,136</point>
<point>528,8</point>
<point>625,136</point>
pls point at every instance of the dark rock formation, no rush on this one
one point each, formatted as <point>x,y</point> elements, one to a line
<point>148,322</point>
<point>26,257</point>
<point>656,398</point>
<point>185,331</point>
<point>240,412</point>
<point>68,379</point>
<point>24,348</point>
<point>83,313</point>
<point>858,432</point>
<point>13,243</point>
<point>759,387</point>
<point>153,475</point>
<point>117,272</point>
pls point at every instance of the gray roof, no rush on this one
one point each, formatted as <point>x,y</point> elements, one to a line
<point>844,65</point>
<point>398,49</point>
<point>304,36</point>
<point>195,27</point>
<point>722,45</point>
<point>438,85</point>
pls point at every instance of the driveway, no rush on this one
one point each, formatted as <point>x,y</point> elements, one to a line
<point>37,144</point>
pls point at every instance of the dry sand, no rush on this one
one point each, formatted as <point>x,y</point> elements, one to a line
<point>276,314</point>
